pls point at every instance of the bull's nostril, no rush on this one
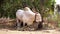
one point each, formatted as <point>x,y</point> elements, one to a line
<point>40,25</point>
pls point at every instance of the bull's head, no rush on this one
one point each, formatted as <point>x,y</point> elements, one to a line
<point>38,17</point>
<point>38,20</point>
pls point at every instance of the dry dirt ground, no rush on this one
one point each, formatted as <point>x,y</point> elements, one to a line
<point>9,31</point>
<point>5,31</point>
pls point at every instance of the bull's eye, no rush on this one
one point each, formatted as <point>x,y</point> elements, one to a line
<point>34,21</point>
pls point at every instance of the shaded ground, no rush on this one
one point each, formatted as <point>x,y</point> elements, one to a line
<point>5,31</point>
<point>9,27</point>
<point>10,30</point>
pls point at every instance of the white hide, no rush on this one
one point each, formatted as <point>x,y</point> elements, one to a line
<point>27,16</point>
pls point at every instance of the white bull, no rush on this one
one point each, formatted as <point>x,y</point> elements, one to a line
<point>27,16</point>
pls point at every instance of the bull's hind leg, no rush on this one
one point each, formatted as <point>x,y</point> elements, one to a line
<point>18,24</point>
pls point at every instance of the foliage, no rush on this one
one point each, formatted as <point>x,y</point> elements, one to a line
<point>9,7</point>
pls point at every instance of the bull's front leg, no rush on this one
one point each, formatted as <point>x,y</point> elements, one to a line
<point>23,24</point>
